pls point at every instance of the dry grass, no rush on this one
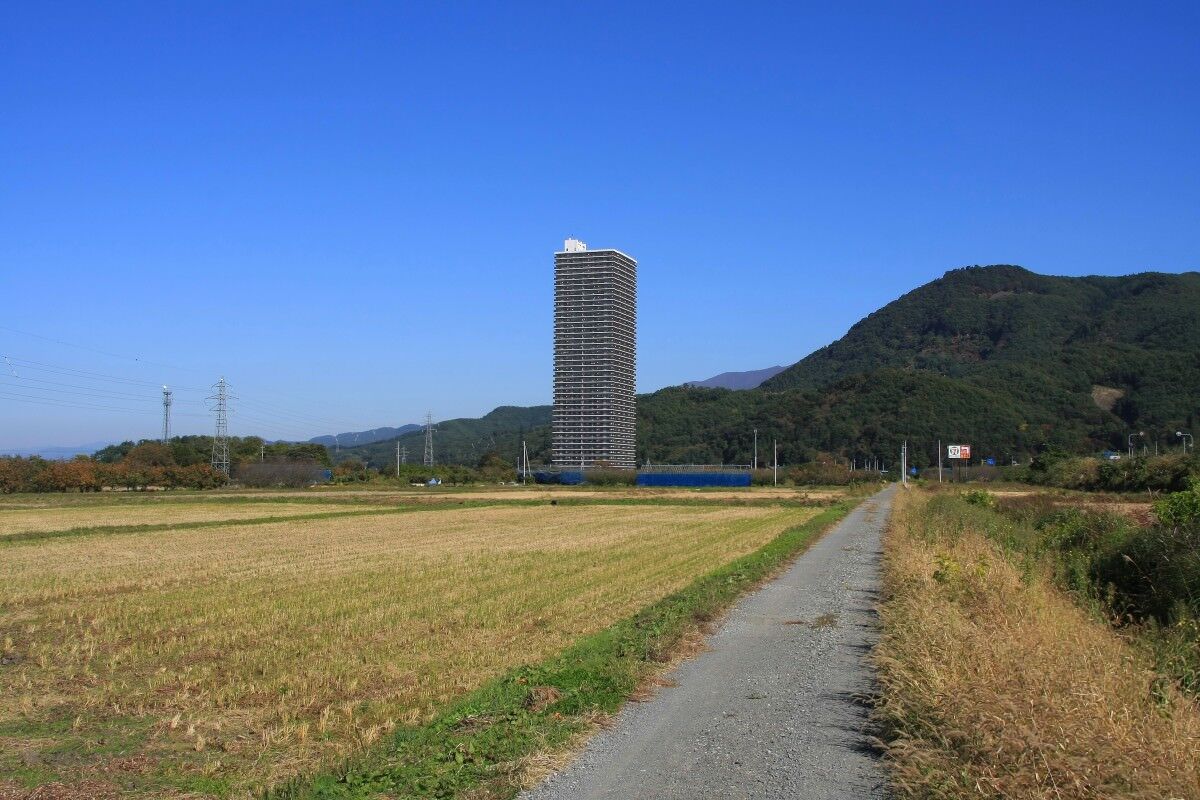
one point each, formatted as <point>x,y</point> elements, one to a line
<point>995,686</point>
<point>15,521</point>
<point>243,654</point>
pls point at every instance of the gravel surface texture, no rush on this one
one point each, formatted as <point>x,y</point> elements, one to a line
<point>772,709</point>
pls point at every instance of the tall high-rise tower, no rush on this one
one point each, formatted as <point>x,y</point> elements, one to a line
<point>595,358</point>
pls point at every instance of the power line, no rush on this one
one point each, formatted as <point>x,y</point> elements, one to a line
<point>95,350</point>
<point>58,369</point>
<point>78,393</point>
<point>98,395</point>
<point>45,401</point>
<point>130,395</point>
<point>24,364</point>
<point>300,417</point>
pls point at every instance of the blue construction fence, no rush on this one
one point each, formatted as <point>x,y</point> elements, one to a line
<point>693,479</point>
<point>690,479</point>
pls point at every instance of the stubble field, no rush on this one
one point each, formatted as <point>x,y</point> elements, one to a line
<point>220,658</point>
<point>17,522</point>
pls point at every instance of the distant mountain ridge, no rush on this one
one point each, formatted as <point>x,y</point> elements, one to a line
<point>464,440</point>
<point>56,453</point>
<point>354,438</point>
<point>738,381</point>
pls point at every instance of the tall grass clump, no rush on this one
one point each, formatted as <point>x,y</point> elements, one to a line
<point>1144,577</point>
<point>994,683</point>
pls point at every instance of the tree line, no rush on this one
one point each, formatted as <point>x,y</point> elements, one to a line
<point>182,463</point>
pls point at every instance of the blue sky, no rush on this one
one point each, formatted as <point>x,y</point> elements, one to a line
<point>350,209</point>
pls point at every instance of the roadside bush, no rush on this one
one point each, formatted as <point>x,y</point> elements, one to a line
<point>1181,509</point>
<point>1147,575</point>
<point>979,497</point>
<point>825,473</point>
<point>611,477</point>
<point>1166,473</point>
<point>279,473</point>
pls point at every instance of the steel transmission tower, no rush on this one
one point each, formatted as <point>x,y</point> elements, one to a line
<point>166,437</point>
<point>428,439</point>
<point>220,451</point>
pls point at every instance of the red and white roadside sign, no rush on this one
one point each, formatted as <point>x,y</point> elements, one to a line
<point>958,451</point>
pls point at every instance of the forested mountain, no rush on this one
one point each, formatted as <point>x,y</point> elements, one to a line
<point>983,320</point>
<point>998,357</point>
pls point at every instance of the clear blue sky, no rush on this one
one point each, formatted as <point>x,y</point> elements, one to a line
<point>350,209</point>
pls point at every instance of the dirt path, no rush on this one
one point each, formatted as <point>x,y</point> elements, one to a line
<point>770,711</point>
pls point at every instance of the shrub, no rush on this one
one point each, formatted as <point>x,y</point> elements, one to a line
<point>979,497</point>
<point>1181,509</point>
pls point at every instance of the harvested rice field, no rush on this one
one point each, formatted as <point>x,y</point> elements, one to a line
<point>215,661</point>
<point>18,521</point>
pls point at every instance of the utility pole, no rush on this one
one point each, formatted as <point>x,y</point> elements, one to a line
<point>756,448</point>
<point>525,460</point>
<point>429,439</point>
<point>776,441</point>
<point>939,460</point>
<point>397,458</point>
<point>220,448</point>
<point>262,452</point>
<point>904,463</point>
<point>166,436</point>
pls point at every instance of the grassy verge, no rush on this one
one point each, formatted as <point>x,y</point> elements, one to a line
<point>1141,573</point>
<point>995,684</point>
<point>485,745</point>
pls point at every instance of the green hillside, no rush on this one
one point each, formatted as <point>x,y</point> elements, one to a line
<point>1075,332</point>
<point>466,440</point>
<point>998,357</point>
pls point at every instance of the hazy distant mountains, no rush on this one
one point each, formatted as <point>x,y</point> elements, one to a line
<point>58,453</point>
<point>355,438</point>
<point>738,380</point>
<point>463,441</point>
<point>462,438</point>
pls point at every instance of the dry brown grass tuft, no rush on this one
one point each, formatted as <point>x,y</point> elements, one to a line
<point>995,686</point>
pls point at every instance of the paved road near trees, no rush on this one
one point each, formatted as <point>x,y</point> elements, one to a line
<point>770,711</point>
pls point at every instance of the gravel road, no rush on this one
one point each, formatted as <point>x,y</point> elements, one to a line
<point>770,710</point>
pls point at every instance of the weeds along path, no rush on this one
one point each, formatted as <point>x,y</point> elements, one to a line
<point>770,710</point>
